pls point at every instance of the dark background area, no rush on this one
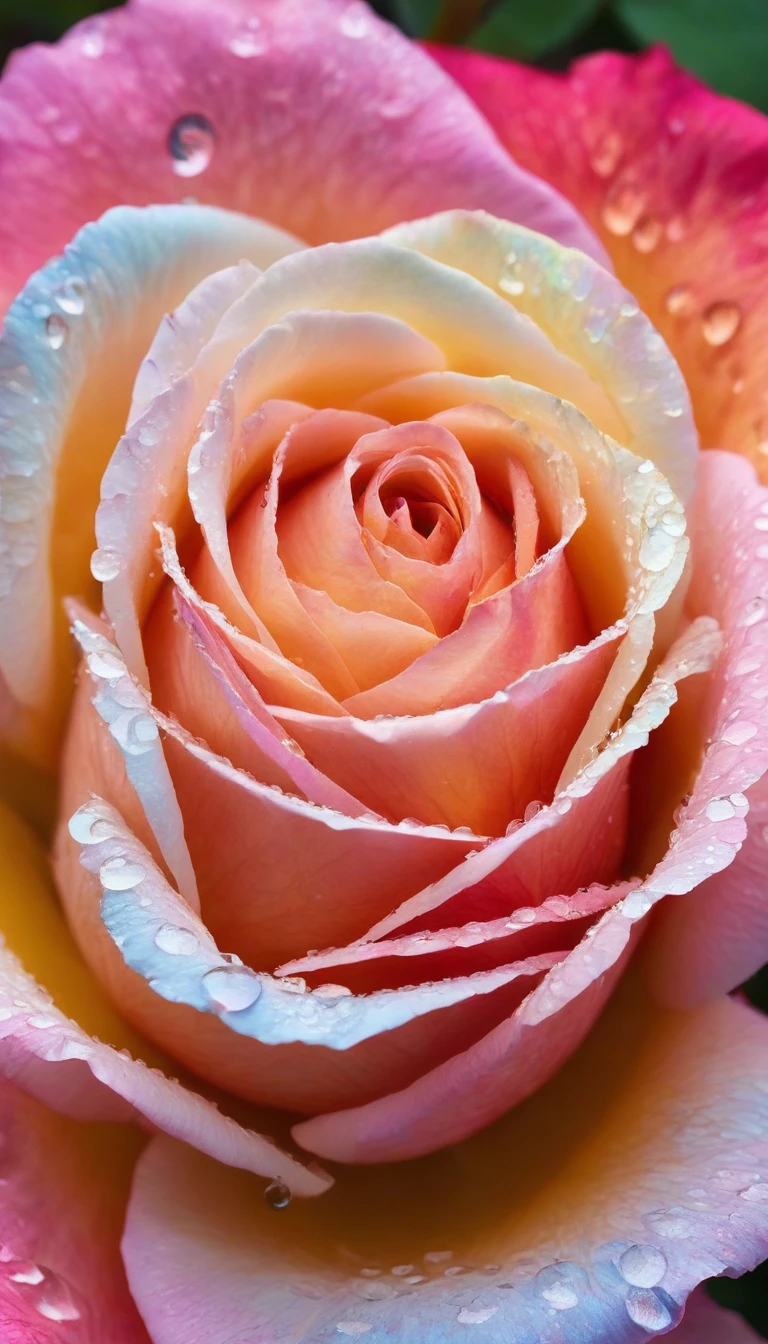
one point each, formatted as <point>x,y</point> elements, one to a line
<point>725,42</point>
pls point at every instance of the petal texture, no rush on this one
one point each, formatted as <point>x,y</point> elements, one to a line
<point>535,1231</point>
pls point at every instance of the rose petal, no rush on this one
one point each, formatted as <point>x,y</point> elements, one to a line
<point>45,1051</point>
<point>716,935</point>
<point>272,1041</point>
<point>588,316</point>
<point>705,1322</point>
<point>64,1192</point>
<point>271,109</point>
<point>542,1229</point>
<point>70,347</point>
<point>672,177</point>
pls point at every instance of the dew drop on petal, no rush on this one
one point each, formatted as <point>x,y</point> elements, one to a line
<point>679,300</point>
<point>56,330</point>
<point>737,733</point>
<point>232,988</point>
<point>720,809</point>
<point>476,1315</point>
<point>250,41</point>
<point>277,1195</point>
<point>643,1266</point>
<point>55,1301</point>
<point>120,874</point>
<point>177,942</point>
<point>646,234</point>
<point>647,1310</point>
<point>622,211</point>
<point>604,159</point>
<point>720,322</point>
<point>191,142</point>
<point>755,1194</point>
<point>104,566</point>
<point>26,1272</point>
<point>71,296</point>
<point>353,1329</point>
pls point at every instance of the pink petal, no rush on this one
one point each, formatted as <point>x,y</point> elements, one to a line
<point>323,84</point>
<point>710,939</point>
<point>576,1219</point>
<point>64,1194</point>
<point>705,1322</point>
<point>672,177</point>
<point>45,1050</point>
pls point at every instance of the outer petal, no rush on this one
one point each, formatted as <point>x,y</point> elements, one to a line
<point>65,1187</point>
<point>715,936</point>
<point>576,1219</point>
<point>707,1323</point>
<point>70,348</point>
<point>46,1052</point>
<point>673,178</point>
<point>278,100</point>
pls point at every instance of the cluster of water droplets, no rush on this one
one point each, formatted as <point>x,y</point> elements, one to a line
<point>48,1293</point>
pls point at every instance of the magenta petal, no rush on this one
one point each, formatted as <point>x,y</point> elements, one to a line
<point>63,1191</point>
<point>574,1221</point>
<point>281,104</point>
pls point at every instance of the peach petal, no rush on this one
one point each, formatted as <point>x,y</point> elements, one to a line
<point>541,1226</point>
<point>672,177</point>
<point>64,1192</point>
<point>582,816</point>
<point>45,1052</point>
<point>255,157</point>
<point>476,765</point>
<point>71,344</point>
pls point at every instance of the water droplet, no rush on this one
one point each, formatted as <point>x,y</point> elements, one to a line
<point>250,41</point>
<point>56,330</point>
<point>525,915</point>
<point>42,1022</point>
<point>232,988</point>
<point>720,322</point>
<point>293,984</point>
<point>475,1315</point>
<point>629,308</point>
<point>191,142</point>
<point>353,1328</point>
<point>622,211</point>
<point>106,665</point>
<point>737,733</point>
<point>26,1272</point>
<point>679,300</point>
<point>657,550</point>
<point>646,234</point>
<point>104,566</point>
<point>175,941</point>
<point>646,1310</point>
<point>755,1194</point>
<point>55,1301</point>
<point>149,435</point>
<point>720,809</point>
<point>511,278</point>
<point>71,297</point>
<point>643,1266</point>
<point>89,829</point>
<point>331,992</point>
<point>120,874</point>
<point>437,1257</point>
<point>646,466</point>
<point>605,158</point>
<point>354,21</point>
<point>277,1195</point>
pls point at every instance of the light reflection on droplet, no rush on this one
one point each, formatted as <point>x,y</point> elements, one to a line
<point>56,330</point>
<point>720,322</point>
<point>232,988</point>
<point>277,1195</point>
<point>191,142</point>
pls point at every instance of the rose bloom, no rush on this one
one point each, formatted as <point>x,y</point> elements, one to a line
<point>409,795</point>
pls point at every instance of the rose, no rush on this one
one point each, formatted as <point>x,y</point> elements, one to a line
<point>70,349</point>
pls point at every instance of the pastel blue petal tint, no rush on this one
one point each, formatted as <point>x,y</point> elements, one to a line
<point>71,345</point>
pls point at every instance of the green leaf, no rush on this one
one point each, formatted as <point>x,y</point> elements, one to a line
<point>417,17</point>
<point>528,28</point>
<point>723,41</point>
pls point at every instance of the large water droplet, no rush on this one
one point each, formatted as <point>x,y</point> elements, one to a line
<point>720,809</point>
<point>277,1195</point>
<point>71,296</point>
<point>24,1271</point>
<point>720,322</point>
<point>191,142</point>
<point>55,1300</point>
<point>120,874</point>
<point>88,828</point>
<point>354,21</point>
<point>643,1266</point>
<point>232,988</point>
<point>175,941</point>
<point>646,1310</point>
<point>657,550</point>
<point>56,330</point>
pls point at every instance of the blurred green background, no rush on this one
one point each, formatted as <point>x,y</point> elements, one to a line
<point>725,42</point>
